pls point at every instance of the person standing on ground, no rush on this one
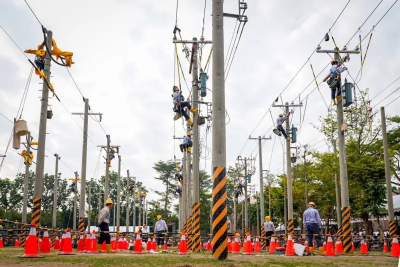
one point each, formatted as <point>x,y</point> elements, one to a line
<point>160,228</point>
<point>269,228</point>
<point>104,221</point>
<point>312,222</point>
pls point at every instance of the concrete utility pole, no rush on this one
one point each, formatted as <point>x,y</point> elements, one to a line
<point>337,190</point>
<point>140,212</point>
<point>127,201</point>
<point>39,174</point>
<point>55,192</point>
<point>284,193</point>
<point>196,151</point>
<point>246,212</point>
<point>290,223</point>
<point>26,180</point>
<point>184,190</point>
<point>269,195</point>
<point>258,214</point>
<point>261,176</point>
<point>392,223</point>
<point>107,176</point>
<point>305,176</point>
<point>235,206</point>
<point>82,201</point>
<point>90,198</point>
<point>119,191</point>
<point>344,183</point>
<point>188,178</point>
<point>75,202</point>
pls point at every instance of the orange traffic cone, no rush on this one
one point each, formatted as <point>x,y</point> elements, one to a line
<point>62,241</point>
<point>93,243</point>
<point>31,247</point>
<point>364,247</point>
<point>165,244</point>
<point>257,247</point>
<point>67,247</point>
<point>154,244</point>
<point>329,251</point>
<point>183,246</point>
<point>324,245</point>
<point>16,243</point>
<point>272,245</point>
<point>395,247</point>
<point>81,243</point>
<point>138,244</point>
<point>88,242</point>
<point>353,248</point>
<point>236,245</point>
<point>208,246</point>
<point>148,246</point>
<point>113,242</point>
<point>104,247</point>
<point>45,246</point>
<point>289,246</point>
<point>121,245</point>
<point>385,246</point>
<point>1,244</point>
<point>248,250</point>
<point>339,247</point>
<point>57,243</point>
<point>307,248</point>
<point>229,245</point>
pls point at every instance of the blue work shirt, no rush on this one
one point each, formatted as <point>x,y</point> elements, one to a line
<point>187,140</point>
<point>310,216</point>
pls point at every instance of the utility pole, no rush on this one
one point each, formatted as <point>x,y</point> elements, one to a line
<point>55,191</point>
<point>26,181</point>
<point>269,195</point>
<point>392,223</point>
<point>290,223</point>
<point>140,211</point>
<point>184,189</point>
<point>196,151</point>
<point>89,202</point>
<point>261,176</point>
<point>108,162</point>
<point>84,159</point>
<point>344,183</point>
<point>119,191</point>
<point>284,194</point>
<point>75,202</point>
<point>337,189</point>
<point>258,214</point>
<point>39,174</point>
<point>188,178</point>
<point>305,175</point>
<point>246,212</point>
<point>127,201</point>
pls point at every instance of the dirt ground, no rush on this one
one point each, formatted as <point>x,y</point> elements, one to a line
<point>9,257</point>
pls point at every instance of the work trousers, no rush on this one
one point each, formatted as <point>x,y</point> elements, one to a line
<point>312,228</point>
<point>268,234</point>
<point>280,128</point>
<point>104,236</point>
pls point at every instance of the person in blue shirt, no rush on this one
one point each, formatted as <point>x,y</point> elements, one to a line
<point>279,125</point>
<point>334,81</point>
<point>312,223</point>
<point>187,143</point>
<point>180,105</point>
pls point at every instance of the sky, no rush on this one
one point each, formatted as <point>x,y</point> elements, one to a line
<point>124,64</point>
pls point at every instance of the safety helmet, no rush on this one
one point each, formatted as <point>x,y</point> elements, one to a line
<point>174,88</point>
<point>267,218</point>
<point>281,115</point>
<point>158,217</point>
<point>189,134</point>
<point>334,61</point>
<point>109,201</point>
<point>311,203</point>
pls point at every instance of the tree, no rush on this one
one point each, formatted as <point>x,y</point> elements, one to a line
<point>166,174</point>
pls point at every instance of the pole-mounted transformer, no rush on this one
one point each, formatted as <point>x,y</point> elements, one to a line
<point>203,80</point>
<point>294,134</point>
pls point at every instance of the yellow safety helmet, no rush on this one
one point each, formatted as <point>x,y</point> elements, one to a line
<point>267,218</point>
<point>174,88</point>
<point>189,134</point>
<point>311,203</point>
<point>281,115</point>
<point>109,201</point>
<point>158,217</point>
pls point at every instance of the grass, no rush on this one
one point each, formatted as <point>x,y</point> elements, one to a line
<point>9,258</point>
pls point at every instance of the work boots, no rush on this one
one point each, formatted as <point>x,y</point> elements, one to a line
<point>321,251</point>
<point>339,98</point>
<point>193,110</point>
<point>109,249</point>
<point>190,122</point>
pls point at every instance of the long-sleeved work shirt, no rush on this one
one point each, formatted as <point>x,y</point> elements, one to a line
<point>187,140</point>
<point>176,98</point>
<point>161,226</point>
<point>280,120</point>
<point>335,69</point>
<point>269,226</point>
<point>310,216</point>
<point>104,215</point>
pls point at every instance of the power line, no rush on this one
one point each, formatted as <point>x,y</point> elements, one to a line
<point>386,97</point>
<point>237,44</point>
<point>385,88</point>
<point>33,13</point>
<point>14,42</point>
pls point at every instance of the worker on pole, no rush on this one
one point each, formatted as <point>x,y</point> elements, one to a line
<point>179,106</point>
<point>312,223</point>
<point>269,229</point>
<point>160,228</point>
<point>104,221</point>
<point>279,125</point>
<point>334,81</point>
<point>187,143</point>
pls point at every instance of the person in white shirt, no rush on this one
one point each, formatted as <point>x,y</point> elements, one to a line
<point>269,229</point>
<point>160,228</point>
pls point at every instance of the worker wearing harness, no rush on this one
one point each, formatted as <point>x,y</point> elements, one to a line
<point>334,81</point>
<point>104,220</point>
<point>269,228</point>
<point>187,143</point>
<point>179,106</point>
<point>279,127</point>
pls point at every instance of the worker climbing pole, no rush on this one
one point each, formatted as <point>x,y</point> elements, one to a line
<point>45,74</point>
